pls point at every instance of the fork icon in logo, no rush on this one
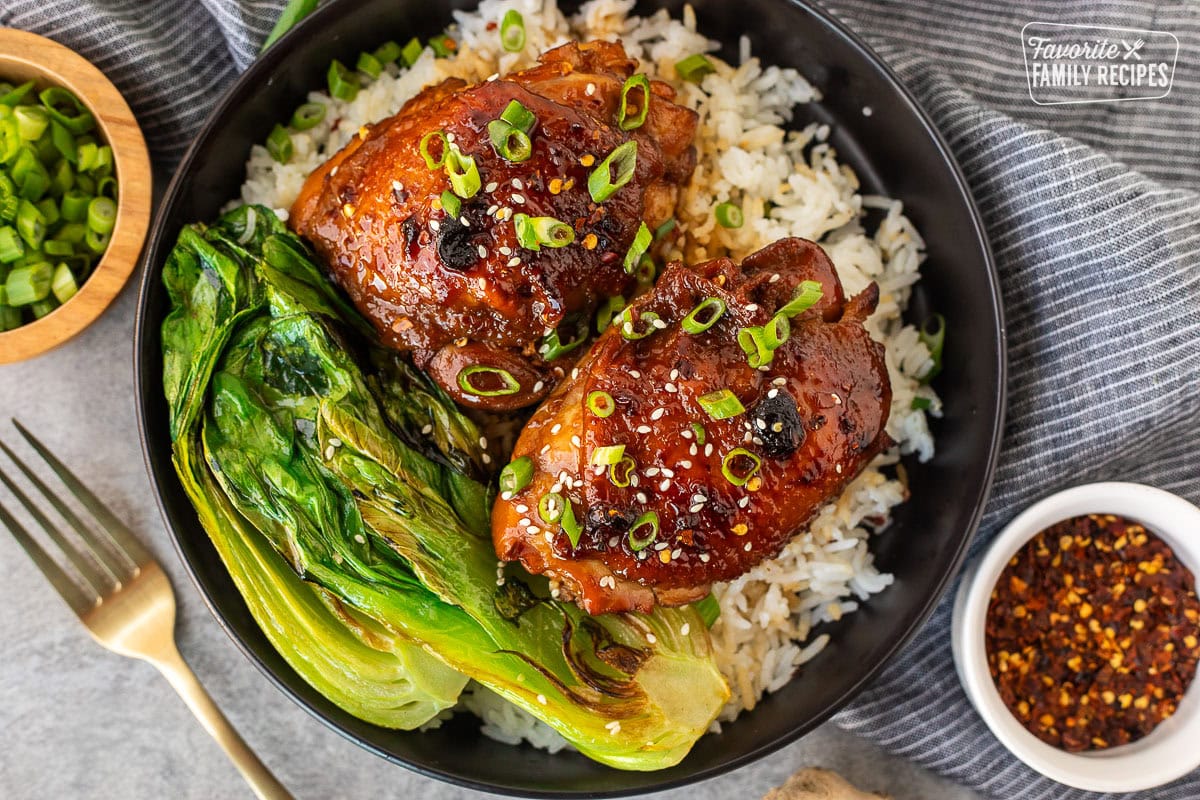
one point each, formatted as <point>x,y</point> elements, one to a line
<point>1132,49</point>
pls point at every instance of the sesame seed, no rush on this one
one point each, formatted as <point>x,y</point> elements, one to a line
<point>757,440</point>
<point>650,637</point>
<point>773,394</point>
<point>666,484</point>
<point>674,374</point>
<point>642,555</point>
<point>745,501</point>
<point>598,469</point>
<point>775,278</point>
<point>686,629</point>
<point>633,373</point>
<point>522,508</point>
<point>542,697</point>
<point>676,553</point>
<point>514,261</point>
<point>396,185</point>
<point>504,251</point>
<point>506,495</point>
<point>516,184</point>
<point>483,442</point>
<point>590,89</point>
<point>643,429</point>
<point>838,468</point>
<point>708,450</point>
<point>747,547</point>
<point>428,429</point>
<point>537,387</point>
<point>696,507</point>
<point>651,471</point>
<point>482,251</point>
<point>329,453</point>
<point>670,387</point>
<point>752,307</point>
<point>575,441</point>
<point>545,448</point>
<point>686,433</point>
<point>358,537</point>
<point>524,522</point>
<point>693,450</point>
<point>492,209</point>
<point>657,413</point>
<point>557,427</point>
<point>660,545</point>
<point>634,480</point>
<point>660,324</point>
<point>449,137</point>
<point>668,473</point>
<point>434,225</point>
<point>760,423</point>
<point>837,400</point>
<point>641,498</point>
<point>487,459</point>
<point>780,381</point>
<point>578,482</point>
<point>491,187</point>
<point>685,464</point>
<point>704,557</point>
<point>519,199</point>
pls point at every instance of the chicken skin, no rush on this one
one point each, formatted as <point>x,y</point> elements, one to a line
<point>667,462</point>
<point>478,306</point>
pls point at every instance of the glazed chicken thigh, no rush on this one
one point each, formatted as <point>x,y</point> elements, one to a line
<point>666,461</point>
<point>485,311</point>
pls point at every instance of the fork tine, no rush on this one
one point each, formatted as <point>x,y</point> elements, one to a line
<point>101,580</point>
<point>121,536</point>
<point>70,591</point>
<point>115,562</point>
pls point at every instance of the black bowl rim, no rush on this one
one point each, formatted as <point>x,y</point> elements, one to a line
<point>279,52</point>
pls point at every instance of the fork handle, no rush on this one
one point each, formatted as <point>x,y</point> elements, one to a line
<point>265,785</point>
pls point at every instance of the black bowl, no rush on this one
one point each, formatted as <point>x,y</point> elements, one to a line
<point>895,150</point>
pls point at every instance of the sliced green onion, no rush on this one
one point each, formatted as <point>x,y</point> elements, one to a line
<point>648,522</point>
<point>516,475</point>
<point>97,242</point>
<point>279,144</point>
<point>87,155</point>
<point>807,295</point>
<point>107,187</point>
<point>609,454</point>
<point>601,183</point>
<point>553,347</point>
<point>508,384</point>
<point>463,174</point>
<point>10,245</point>
<point>343,84</point>
<point>443,46</point>
<point>31,224</point>
<point>10,139</point>
<point>64,177</point>
<point>601,404</point>
<point>620,472</point>
<point>509,142</point>
<point>8,197</point>
<point>292,13</point>
<point>736,473</point>
<point>431,161</point>
<point>73,232</point>
<point>753,341</point>
<point>921,404</point>
<point>308,116</point>
<point>646,270</point>
<point>729,215</point>
<point>625,320</point>
<point>625,120</point>
<point>32,122</point>
<point>451,204</point>
<point>10,318</point>
<point>608,309</point>
<point>706,314</point>
<point>49,210</point>
<point>512,31</point>
<point>64,141</point>
<point>369,65</point>
<point>412,51</point>
<point>708,609</point>
<point>694,68</point>
<point>934,339</point>
<point>698,432</point>
<point>533,232</point>
<point>664,229</point>
<point>641,241</point>
<point>388,52</point>
<point>57,247</point>
<point>101,215</point>
<point>551,507</point>
<point>43,307</point>
<point>721,404</point>
<point>777,331</point>
<point>29,284</point>
<point>570,525</point>
<point>62,284</point>
<point>14,96</point>
<point>519,116</point>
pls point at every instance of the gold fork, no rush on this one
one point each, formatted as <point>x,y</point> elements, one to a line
<point>123,598</point>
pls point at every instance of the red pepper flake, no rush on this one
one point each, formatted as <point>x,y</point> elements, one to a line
<point>1092,633</point>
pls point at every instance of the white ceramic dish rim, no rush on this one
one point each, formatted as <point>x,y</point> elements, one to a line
<point>1170,751</point>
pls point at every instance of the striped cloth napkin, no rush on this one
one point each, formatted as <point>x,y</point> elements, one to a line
<point>1091,210</point>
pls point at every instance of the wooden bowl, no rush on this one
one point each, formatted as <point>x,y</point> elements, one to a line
<point>26,56</point>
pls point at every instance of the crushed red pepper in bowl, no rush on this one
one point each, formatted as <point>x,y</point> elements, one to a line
<point>1092,633</point>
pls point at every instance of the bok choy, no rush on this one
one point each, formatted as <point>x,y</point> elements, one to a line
<point>345,493</point>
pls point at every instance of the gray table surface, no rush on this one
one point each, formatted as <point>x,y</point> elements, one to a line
<point>79,722</point>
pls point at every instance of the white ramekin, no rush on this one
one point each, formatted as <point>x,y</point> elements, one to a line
<point>1173,748</point>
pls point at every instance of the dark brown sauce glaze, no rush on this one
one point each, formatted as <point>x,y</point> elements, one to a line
<point>461,291</point>
<point>813,419</point>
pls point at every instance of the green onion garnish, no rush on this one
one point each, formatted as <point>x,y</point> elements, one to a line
<point>551,507</point>
<point>641,241</point>
<point>507,383</point>
<point>734,466</point>
<point>694,68</point>
<point>553,347</point>
<point>921,404</point>
<point>601,183</point>
<point>369,65</point>
<point>698,432</point>
<point>102,214</point>
<point>308,116</point>
<point>708,609</point>
<point>516,475</point>
<point>648,522</point>
<point>807,295</point>
<point>32,122</point>
<point>934,339</point>
<point>31,224</point>
<point>451,204</point>
<point>443,46</point>
<point>343,84</point>
<point>512,31</point>
<point>620,472</point>
<point>608,309</point>
<point>519,116</point>
<point>609,454</point>
<point>753,341</point>
<point>63,285</point>
<point>29,284</point>
<point>291,14</point>
<point>509,142</point>
<point>279,144</point>
<point>729,215</point>
<point>625,321</point>
<point>388,52</point>
<point>412,51</point>
<point>570,525</point>
<point>463,174</point>
<point>627,121</point>
<point>704,315</point>
<point>601,404</point>
<point>533,232</point>
<point>646,271</point>
<point>777,331</point>
<point>96,242</point>
<point>432,161</point>
<point>10,245</point>
<point>721,404</point>
<point>664,229</point>
<point>16,95</point>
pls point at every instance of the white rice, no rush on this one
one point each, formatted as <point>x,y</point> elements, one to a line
<point>746,155</point>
